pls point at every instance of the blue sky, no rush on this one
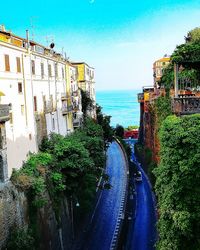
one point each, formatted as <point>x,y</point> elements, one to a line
<point>120,38</point>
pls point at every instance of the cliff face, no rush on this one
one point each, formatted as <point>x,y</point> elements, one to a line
<point>13,210</point>
<point>149,130</point>
<point>15,214</point>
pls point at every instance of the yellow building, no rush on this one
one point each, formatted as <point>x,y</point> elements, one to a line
<point>86,78</point>
<point>69,115</point>
<point>86,82</point>
<point>158,67</point>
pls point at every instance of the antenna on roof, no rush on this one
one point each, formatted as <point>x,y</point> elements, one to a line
<point>49,39</point>
<point>32,20</point>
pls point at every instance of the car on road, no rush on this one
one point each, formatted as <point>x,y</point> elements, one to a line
<point>138,176</point>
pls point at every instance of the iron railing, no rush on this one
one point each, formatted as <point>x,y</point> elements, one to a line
<point>186,105</point>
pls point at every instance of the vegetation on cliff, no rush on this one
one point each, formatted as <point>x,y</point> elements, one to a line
<point>187,56</point>
<point>69,166</point>
<point>177,179</point>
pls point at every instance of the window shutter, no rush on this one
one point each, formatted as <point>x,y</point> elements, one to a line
<point>7,63</point>
<point>42,70</point>
<point>35,103</point>
<point>18,65</point>
<point>33,66</point>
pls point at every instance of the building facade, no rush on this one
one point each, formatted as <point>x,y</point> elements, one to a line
<point>75,93</point>
<point>86,83</point>
<point>33,84</point>
<point>158,67</point>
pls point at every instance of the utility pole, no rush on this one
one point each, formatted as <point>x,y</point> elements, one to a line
<point>176,80</point>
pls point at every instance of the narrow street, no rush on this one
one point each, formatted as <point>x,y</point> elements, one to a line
<point>142,232</point>
<point>105,224</point>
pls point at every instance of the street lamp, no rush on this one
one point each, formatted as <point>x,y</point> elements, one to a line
<point>72,215</point>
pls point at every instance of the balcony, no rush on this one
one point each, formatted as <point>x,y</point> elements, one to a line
<point>4,112</point>
<point>77,123</point>
<point>66,109</point>
<point>141,97</point>
<point>186,105</point>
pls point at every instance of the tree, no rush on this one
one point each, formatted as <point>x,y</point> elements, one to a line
<point>87,102</point>
<point>187,56</point>
<point>119,131</point>
<point>131,127</point>
<point>177,178</point>
<point>193,35</point>
<point>104,121</point>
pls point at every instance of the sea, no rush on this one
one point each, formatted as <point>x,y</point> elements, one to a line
<point>121,105</point>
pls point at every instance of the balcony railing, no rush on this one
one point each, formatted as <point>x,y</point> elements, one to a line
<point>186,105</point>
<point>4,112</point>
<point>77,123</point>
<point>66,109</point>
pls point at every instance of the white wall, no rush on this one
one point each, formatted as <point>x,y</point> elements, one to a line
<point>21,134</point>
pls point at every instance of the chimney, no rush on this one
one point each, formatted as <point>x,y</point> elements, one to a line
<point>2,27</point>
<point>27,38</point>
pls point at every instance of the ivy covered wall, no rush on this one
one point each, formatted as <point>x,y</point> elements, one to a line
<point>177,183</point>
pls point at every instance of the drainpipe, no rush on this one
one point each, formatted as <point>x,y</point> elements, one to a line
<point>24,78</point>
<point>27,39</point>
<point>31,80</point>
<point>24,86</point>
<point>56,64</point>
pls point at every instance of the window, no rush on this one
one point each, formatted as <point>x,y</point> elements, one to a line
<point>49,70</point>
<point>11,118</point>
<point>7,63</point>
<point>22,110</point>
<point>33,67</point>
<point>19,87</point>
<point>53,123</point>
<point>42,70</point>
<point>63,74</point>
<point>56,70</point>
<point>35,103</point>
<point>18,64</point>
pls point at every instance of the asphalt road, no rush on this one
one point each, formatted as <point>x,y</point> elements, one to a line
<point>143,235</point>
<point>107,211</point>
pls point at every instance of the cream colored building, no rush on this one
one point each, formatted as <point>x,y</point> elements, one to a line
<point>16,91</point>
<point>33,83</point>
<point>75,94</point>
<point>158,67</point>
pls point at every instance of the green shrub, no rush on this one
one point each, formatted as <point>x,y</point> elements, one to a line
<point>21,239</point>
<point>177,178</point>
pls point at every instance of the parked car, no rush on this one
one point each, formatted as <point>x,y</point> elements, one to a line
<point>138,176</point>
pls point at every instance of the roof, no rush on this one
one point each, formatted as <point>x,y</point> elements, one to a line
<point>79,63</point>
<point>164,59</point>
